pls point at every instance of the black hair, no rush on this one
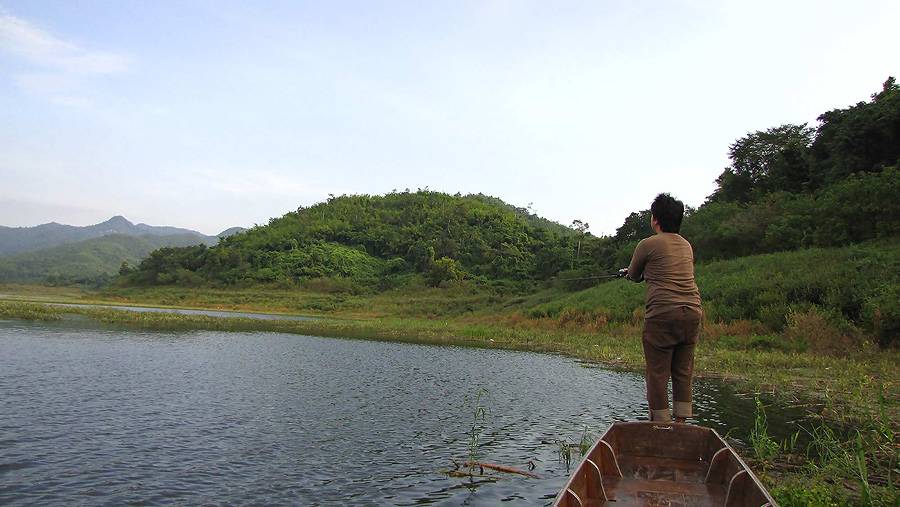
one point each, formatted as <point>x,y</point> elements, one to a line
<point>668,212</point>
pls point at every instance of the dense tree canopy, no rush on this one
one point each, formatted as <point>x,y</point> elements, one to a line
<point>380,241</point>
<point>791,186</point>
<point>862,138</point>
<point>796,159</point>
<point>767,161</point>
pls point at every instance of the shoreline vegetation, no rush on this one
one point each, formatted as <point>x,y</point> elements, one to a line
<point>849,385</point>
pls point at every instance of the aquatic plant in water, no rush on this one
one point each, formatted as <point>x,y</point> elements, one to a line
<point>764,447</point>
<point>564,447</point>
<point>475,431</point>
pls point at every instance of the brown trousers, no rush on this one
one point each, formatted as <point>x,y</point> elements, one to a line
<point>669,341</point>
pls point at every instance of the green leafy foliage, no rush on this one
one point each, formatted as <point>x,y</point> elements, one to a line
<point>793,187</point>
<point>762,162</point>
<point>842,285</point>
<point>862,138</point>
<point>764,447</point>
<point>373,240</point>
<point>860,208</point>
<point>813,299</point>
<point>445,270</point>
<point>794,158</point>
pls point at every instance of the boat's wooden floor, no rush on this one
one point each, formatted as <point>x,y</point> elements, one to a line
<point>645,463</point>
<point>669,482</point>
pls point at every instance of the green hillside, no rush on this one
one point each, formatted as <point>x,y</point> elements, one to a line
<point>378,242</point>
<point>792,188</point>
<point>852,291</point>
<point>87,262</point>
<point>789,187</point>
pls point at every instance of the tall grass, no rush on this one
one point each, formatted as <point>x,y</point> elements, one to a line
<point>816,299</point>
<point>28,311</point>
<point>840,464</point>
<point>764,447</point>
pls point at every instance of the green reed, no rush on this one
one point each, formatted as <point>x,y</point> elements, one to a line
<point>478,425</point>
<point>565,447</point>
<point>855,465</point>
<point>764,447</point>
<point>564,452</point>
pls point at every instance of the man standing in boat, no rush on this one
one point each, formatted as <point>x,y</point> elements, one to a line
<point>673,310</point>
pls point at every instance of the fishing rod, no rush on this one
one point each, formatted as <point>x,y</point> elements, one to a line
<point>619,274</point>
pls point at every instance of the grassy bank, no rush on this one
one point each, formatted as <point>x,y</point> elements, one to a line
<point>811,359</point>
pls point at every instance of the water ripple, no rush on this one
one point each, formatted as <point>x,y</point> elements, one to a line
<point>101,416</point>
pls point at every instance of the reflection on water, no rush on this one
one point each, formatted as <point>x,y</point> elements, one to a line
<point>103,415</point>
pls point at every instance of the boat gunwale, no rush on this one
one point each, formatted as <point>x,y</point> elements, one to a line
<point>715,444</point>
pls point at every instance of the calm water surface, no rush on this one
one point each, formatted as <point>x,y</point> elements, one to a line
<point>93,415</point>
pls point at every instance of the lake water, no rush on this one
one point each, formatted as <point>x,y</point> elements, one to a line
<point>103,415</point>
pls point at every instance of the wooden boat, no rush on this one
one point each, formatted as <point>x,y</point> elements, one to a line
<point>646,463</point>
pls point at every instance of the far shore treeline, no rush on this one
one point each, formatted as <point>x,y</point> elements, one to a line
<point>789,188</point>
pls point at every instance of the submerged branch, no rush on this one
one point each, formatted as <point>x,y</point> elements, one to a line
<point>499,468</point>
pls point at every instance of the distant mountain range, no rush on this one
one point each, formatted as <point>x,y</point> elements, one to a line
<point>58,253</point>
<point>15,240</point>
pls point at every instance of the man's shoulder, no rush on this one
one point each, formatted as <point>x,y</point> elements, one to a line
<point>663,237</point>
<point>672,237</point>
<point>663,240</point>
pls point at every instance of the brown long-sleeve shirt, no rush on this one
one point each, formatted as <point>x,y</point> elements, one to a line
<point>666,262</point>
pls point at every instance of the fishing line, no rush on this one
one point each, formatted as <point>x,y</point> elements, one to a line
<point>588,278</point>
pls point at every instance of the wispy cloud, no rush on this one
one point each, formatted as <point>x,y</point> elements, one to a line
<point>36,45</point>
<point>60,70</point>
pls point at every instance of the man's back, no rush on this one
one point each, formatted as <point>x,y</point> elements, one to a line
<point>666,262</point>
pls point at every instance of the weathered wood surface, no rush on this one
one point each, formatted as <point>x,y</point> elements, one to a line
<point>647,463</point>
<point>499,468</point>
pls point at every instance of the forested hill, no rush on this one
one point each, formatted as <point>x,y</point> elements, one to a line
<point>796,186</point>
<point>788,187</point>
<point>380,241</point>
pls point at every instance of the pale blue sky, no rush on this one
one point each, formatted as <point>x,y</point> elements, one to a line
<point>211,114</point>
